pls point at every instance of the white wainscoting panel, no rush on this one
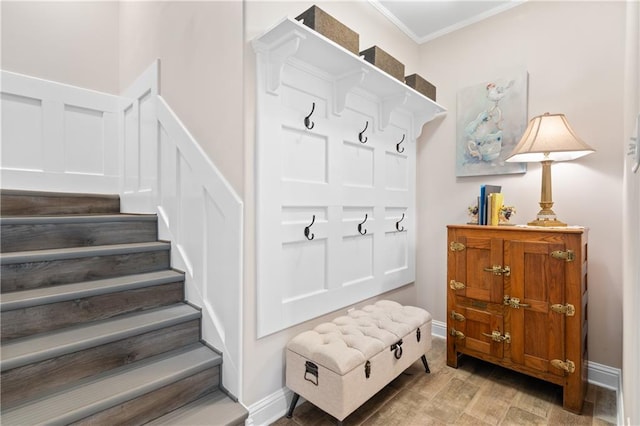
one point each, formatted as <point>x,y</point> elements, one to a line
<point>205,219</point>
<point>139,135</point>
<point>167,172</point>
<point>57,137</point>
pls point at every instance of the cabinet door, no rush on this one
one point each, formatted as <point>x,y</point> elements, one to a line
<point>472,267</point>
<point>477,326</point>
<point>537,280</point>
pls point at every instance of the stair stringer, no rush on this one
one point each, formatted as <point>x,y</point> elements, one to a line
<point>165,171</point>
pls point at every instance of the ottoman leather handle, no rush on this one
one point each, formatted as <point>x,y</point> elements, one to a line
<point>397,347</point>
<point>311,369</point>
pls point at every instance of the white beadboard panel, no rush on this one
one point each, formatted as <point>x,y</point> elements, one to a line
<point>304,268</point>
<point>140,138</point>
<point>360,249</point>
<point>148,163</point>
<point>304,156</point>
<point>202,215</point>
<point>131,151</point>
<point>190,208</point>
<point>359,162</point>
<point>57,137</point>
<point>22,134</point>
<point>84,140</point>
<point>396,172</point>
<point>167,181</point>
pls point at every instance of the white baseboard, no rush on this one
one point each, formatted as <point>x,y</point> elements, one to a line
<point>439,329</point>
<point>274,406</point>
<point>271,408</point>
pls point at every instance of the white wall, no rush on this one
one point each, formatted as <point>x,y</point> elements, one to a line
<point>105,45</point>
<point>264,358</point>
<point>199,45</point>
<point>631,337</point>
<point>574,53</point>
<point>67,42</point>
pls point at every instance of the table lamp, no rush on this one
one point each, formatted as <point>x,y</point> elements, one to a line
<point>548,138</point>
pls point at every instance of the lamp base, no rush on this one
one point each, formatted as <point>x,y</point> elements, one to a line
<point>546,222</point>
<point>546,216</point>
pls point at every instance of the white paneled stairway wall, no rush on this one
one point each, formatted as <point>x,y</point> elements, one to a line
<point>60,138</point>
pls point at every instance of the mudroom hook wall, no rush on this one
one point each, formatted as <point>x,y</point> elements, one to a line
<point>307,120</point>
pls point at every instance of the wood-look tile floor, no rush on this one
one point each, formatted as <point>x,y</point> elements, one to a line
<point>476,393</point>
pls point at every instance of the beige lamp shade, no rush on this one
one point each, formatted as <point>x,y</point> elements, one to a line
<point>549,137</point>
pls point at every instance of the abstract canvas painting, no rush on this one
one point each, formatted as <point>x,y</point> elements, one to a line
<point>491,118</point>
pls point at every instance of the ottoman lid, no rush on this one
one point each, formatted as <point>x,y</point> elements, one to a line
<point>348,341</point>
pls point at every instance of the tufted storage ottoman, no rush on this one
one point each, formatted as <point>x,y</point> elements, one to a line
<point>339,365</point>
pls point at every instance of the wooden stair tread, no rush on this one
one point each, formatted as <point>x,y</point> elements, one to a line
<point>114,387</point>
<point>81,252</point>
<point>26,350</point>
<point>64,292</point>
<point>75,218</point>
<point>203,411</point>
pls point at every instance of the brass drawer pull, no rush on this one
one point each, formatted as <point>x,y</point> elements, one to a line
<point>457,285</point>
<point>568,365</point>
<point>457,316</point>
<point>497,337</point>
<point>456,333</point>
<point>499,270</point>
<point>515,302</point>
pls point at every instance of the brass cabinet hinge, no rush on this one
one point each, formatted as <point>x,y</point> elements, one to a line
<point>456,246</point>
<point>456,333</point>
<point>496,336</point>
<point>568,309</point>
<point>499,270</point>
<point>456,316</point>
<point>568,255</point>
<point>457,285</point>
<point>567,365</point>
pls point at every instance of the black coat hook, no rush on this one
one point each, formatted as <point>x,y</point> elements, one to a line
<point>306,229</point>
<point>400,151</point>
<point>307,120</point>
<point>398,224</point>
<point>363,139</point>
<point>360,225</point>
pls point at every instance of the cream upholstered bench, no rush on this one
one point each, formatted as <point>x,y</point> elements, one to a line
<point>339,365</point>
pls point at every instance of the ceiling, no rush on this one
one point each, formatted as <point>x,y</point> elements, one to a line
<point>424,20</point>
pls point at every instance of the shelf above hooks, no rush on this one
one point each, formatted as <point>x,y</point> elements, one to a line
<point>292,41</point>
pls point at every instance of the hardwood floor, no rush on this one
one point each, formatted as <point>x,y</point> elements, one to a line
<point>477,393</point>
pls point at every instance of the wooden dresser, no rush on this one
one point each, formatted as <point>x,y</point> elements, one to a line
<point>517,297</point>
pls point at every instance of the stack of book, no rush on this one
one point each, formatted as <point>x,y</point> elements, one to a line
<point>490,202</point>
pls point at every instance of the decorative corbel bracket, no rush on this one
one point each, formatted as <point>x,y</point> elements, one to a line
<point>388,105</point>
<point>420,119</point>
<point>276,54</point>
<point>343,86</point>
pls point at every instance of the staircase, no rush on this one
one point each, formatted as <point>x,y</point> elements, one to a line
<point>94,326</point>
